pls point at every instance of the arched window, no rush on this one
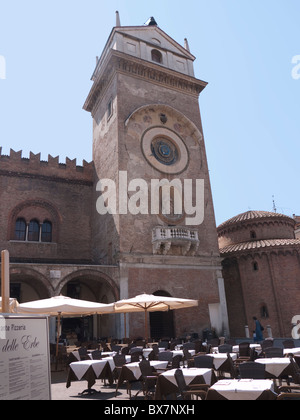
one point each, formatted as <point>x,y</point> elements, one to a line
<point>156,56</point>
<point>46,232</point>
<point>255,266</point>
<point>20,230</point>
<point>34,231</point>
<point>264,312</point>
<point>253,234</point>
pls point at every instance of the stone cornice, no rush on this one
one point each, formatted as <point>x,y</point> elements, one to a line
<point>136,67</point>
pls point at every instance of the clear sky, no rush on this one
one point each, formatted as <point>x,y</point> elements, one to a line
<point>244,50</point>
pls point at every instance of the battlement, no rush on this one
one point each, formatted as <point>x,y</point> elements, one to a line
<point>14,163</point>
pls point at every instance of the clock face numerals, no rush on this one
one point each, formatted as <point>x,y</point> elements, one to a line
<point>164,151</point>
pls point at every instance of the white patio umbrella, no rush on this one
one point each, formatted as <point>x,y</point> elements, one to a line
<point>63,306</point>
<point>151,303</point>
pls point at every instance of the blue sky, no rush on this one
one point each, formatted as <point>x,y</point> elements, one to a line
<point>244,50</point>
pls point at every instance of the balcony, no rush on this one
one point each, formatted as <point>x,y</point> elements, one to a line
<point>164,238</point>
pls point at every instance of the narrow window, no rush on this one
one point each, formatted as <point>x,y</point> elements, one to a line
<point>46,232</point>
<point>34,231</point>
<point>20,230</point>
<point>264,313</point>
<point>156,56</point>
<point>253,234</point>
<point>109,109</point>
<point>255,266</point>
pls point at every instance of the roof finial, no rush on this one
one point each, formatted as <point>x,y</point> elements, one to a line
<point>186,45</point>
<point>118,22</point>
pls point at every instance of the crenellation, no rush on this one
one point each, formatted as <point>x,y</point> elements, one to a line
<point>16,163</point>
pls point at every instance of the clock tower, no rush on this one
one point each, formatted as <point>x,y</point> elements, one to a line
<point>153,209</point>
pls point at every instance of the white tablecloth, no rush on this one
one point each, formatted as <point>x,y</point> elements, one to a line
<point>220,358</point>
<point>276,365</point>
<point>295,351</point>
<point>80,368</point>
<point>243,389</point>
<point>135,368</point>
<point>189,375</point>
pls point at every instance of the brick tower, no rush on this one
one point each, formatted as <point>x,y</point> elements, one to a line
<point>153,210</point>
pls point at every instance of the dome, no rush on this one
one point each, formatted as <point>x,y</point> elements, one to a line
<point>255,226</point>
<point>253,216</point>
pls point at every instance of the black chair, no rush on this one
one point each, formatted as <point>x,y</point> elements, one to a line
<point>252,370</point>
<point>163,345</point>
<point>96,355</point>
<point>266,344</point>
<point>225,348</point>
<point>186,392</point>
<point>165,356</point>
<point>83,353</point>
<point>289,344</point>
<point>149,379</point>
<point>189,346</point>
<point>274,352</point>
<point>204,362</point>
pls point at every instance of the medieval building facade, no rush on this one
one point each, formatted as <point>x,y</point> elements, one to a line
<point>104,231</point>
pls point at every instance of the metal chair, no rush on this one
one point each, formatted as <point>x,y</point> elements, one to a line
<point>252,370</point>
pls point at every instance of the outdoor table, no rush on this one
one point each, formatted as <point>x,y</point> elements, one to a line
<point>90,371</point>
<point>295,351</point>
<point>131,372</point>
<point>111,362</point>
<point>277,367</point>
<point>242,389</point>
<point>167,385</point>
<point>221,360</point>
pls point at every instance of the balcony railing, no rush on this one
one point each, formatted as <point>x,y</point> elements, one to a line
<point>164,238</point>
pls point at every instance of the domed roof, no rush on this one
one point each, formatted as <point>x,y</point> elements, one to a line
<point>253,216</point>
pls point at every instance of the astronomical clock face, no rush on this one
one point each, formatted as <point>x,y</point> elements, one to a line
<point>165,150</point>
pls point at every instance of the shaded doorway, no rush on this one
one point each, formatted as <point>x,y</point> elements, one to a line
<point>162,323</point>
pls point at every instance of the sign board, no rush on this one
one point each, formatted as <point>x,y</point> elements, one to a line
<point>24,358</point>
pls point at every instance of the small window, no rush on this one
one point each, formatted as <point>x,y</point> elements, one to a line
<point>34,231</point>
<point>109,109</point>
<point>255,266</point>
<point>20,230</point>
<point>46,232</point>
<point>156,56</point>
<point>253,234</point>
<point>264,313</point>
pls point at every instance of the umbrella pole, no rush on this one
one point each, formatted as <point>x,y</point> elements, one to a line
<point>146,327</point>
<point>125,326</point>
<point>57,340</point>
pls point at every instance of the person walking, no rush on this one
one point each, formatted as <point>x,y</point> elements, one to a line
<point>258,331</point>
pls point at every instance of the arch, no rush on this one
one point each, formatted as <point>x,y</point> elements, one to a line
<point>33,284</point>
<point>156,56</point>
<point>91,278</point>
<point>35,209</point>
<point>162,323</point>
<point>168,111</point>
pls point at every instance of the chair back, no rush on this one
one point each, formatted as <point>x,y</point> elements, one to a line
<point>186,354</point>
<point>176,361</point>
<point>225,348</point>
<point>165,356</point>
<point>289,344</point>
<point>204,362</point>
<point>119,360</point>
<point>266,344</point>
<point>163,344</point>
<point>252,370</point>
<point>189,346</point>
<point>181,384</point>
<point>96,355</point>
<point>244,350</point>
<point>274,352</point>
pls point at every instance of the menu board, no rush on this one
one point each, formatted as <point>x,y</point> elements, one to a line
<point>24,358</point>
